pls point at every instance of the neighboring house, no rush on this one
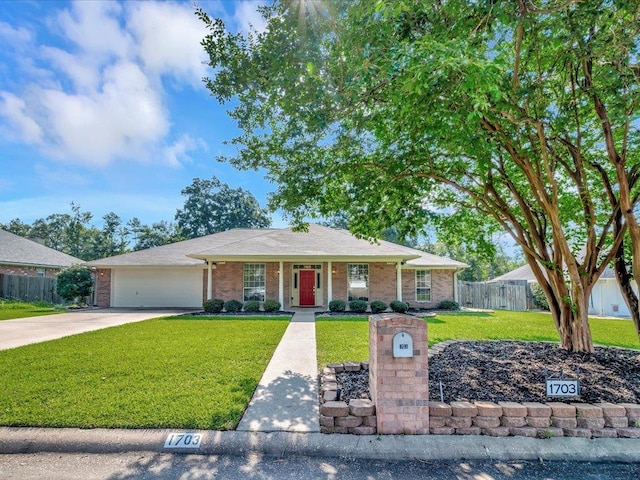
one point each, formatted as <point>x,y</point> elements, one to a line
<point>19,256</point>
<point>298,269</point>
<point>606,298</point>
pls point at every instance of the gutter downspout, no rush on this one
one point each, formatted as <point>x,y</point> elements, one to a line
<point>399,281</point>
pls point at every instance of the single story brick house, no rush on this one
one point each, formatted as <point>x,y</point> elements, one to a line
<point>299,269</point>
<point>20,256</point>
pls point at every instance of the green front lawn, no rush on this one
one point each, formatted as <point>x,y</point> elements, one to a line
<point>347,339</point>
<point>177,372</point>
<point>10,309</point>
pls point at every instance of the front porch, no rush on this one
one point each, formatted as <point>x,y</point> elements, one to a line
<point>308,284</point>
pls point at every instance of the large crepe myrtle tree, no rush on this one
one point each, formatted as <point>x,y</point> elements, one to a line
<point>486,114</point>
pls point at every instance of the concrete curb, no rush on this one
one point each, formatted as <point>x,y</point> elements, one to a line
<point>280,444</point>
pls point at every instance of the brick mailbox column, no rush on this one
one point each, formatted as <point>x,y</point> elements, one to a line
<point>399,373</point>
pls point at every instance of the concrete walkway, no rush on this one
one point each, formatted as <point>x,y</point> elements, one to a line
<point>24,331</point>
<point>286,399</point>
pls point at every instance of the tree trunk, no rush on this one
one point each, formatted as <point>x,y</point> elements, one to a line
<point>624,282</point>
<point>575,335</point>
<point>571,319</point>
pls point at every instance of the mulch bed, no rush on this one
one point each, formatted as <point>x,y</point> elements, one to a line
<point>515,371</point>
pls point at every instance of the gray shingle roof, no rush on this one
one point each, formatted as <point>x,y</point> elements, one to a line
<point>319,243</point>
<point>16,250</point>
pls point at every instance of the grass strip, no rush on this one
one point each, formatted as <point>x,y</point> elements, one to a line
<point>10,309</point>
<point>347,339</point>
<point>173,373</point>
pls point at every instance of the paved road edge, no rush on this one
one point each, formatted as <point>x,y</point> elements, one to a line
<point>280,444</point>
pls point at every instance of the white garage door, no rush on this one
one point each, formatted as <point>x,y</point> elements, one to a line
<point>157,287</point>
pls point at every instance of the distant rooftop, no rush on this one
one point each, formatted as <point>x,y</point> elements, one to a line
<point>17,250</point>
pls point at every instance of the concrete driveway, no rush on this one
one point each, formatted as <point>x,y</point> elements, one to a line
<point>23,331</point>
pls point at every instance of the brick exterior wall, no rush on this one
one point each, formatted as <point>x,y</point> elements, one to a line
<point>103,287</point>
<point>228,283</point>
<point>441,287</point>
<point>339,280</point>
<point>382,282</point>
<point>399,387</point>
<point>27,271</point>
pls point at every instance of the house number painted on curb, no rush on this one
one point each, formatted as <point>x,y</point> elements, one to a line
<point>402,345</point>
<point>183,440</point>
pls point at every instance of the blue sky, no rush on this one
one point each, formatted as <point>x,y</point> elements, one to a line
<point>102,104</point>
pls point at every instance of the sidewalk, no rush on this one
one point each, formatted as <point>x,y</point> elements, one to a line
<point>286,399</point>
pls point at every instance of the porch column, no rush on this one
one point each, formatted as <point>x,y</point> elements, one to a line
<point>281,285</point>
<point>209,280</point>
<point>399,281</point>
<point>329,283</point>
<point>455,286</point>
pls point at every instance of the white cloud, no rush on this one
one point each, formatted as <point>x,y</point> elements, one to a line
<point>97,95</point>
<point>177,153</point>
<point>18,122</point>
<point>168,40</point>
<point>14,36</point>
<point>84,76</point>
<point>121,120</point>
<point>248,17</point>
<point>95,29</point>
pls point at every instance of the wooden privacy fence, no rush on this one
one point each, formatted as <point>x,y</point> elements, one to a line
<point>515,295</point>
<point>29,289</point>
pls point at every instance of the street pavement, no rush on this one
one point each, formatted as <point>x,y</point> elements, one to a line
<point>155,466</point>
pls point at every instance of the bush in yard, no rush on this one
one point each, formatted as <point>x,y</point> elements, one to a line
<point>378,306</point>
<point>233,306</point>
<point>337,306</point>
<point>272,306</point>
<point>448,305</point>
<point>539,300</point>
<point>358,306</point>
<point>74,283</point>
<point>252,306</point>
<point>213,306</point>
<point>399,307</point>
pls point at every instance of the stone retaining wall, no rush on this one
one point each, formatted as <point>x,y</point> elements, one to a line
<point>502,419</point>
<point>533,419</point>
<point>357,417</point>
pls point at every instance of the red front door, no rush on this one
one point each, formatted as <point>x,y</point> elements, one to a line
<point>307,287</point>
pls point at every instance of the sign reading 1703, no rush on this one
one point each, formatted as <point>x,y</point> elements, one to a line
<point>183,440</point>
<point>566,387</point>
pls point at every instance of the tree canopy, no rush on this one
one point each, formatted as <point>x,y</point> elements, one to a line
<point>205,211</point>
<point>480,115</point>
<point>212,206</point>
